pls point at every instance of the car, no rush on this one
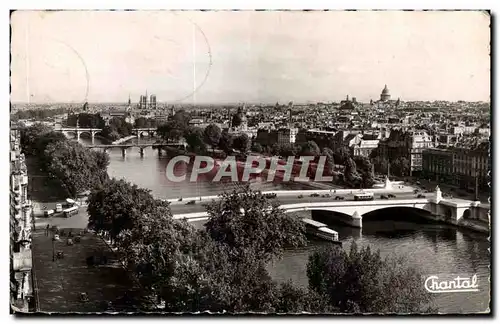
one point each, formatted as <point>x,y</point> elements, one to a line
<point>391,196</point>
<point>48,213</point>
<point>326,196</point>
<point>191,202</point>
<point>300,196</point>
<point>59,208</point>
<point>270,195</point>
<point>421,196</point>
<point>314,195</point>
<point>383,197</point>
<point>416,191</point>
<point>339,198</point>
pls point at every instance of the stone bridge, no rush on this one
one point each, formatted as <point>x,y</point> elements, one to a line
<point>77,131</point>
<point>351,212</point>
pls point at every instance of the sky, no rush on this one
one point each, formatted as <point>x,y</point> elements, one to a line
<point>249,56</point>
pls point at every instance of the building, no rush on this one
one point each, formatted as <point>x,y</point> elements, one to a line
<point>437,164</point>
<point>459,166</point>
<point>364,147</point>
<point>385,95</point>
<point>321,137</point>
<point>287,135</point>
<point>409,145</point>
<point>143,102</point>
<point>418,142</point>
<point>21,222</point>
<point>152,102</point>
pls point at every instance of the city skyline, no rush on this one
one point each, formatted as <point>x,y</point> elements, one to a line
<point>253,57</point>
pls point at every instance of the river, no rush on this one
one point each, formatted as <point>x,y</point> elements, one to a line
<point>435,248</point>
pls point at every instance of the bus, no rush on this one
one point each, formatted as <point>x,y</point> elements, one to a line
<point>70,211</point>
<point>364,196</point>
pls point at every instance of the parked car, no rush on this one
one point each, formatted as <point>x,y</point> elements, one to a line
<point>391,196</point>
<point>314,195</point>
<point>421,196</point>
<point>48,213</point>
<point>383,197</point>
<point>59,208</point>
<point>270,195</point>
<point>339,198</point>
<point>191,202</point>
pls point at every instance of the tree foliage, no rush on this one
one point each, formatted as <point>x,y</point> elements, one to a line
<point>226,142</point>
<point>194,138</point>
<point>113,206</point>
<point>248,222</point>
<point>241,143</point>
<point>212,135</point>
<point>75,167</point>
<point>361,281</point>
<point>310,149</point>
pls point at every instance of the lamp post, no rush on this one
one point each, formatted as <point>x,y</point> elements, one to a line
<point>53,247</point>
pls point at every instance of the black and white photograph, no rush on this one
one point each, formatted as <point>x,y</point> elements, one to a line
<point>325,162</point>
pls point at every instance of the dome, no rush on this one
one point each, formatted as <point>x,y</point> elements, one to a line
<point>385,90</point>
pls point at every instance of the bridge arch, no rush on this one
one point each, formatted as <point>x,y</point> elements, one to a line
<point>86,134</point>
<point>70,134</point>
<point>398,213</point>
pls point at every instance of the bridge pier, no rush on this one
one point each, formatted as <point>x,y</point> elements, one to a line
<point>141,151</point>
<point>92,134</point>
<point>159,151</point>
<point>124,152</point>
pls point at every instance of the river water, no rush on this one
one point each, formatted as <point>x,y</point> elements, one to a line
<point>437,249</point>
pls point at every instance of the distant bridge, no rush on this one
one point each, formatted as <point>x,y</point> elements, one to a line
<point>125,147</point>
<point>77,131</point>
<point>351,212</point>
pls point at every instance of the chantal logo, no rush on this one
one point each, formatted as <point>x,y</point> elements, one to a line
<point>458,284</point>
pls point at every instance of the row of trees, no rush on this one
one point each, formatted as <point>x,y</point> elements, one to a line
<point>37,114</point>
<point>200,139</point>
<point>222,267</point>
<point>70,165</point>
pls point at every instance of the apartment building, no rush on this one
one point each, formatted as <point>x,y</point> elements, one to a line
<point>21,221</point>
<point>460,166</point>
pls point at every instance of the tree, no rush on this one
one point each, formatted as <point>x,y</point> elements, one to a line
<point>380,164</point>
<point>341,154</point>
<point>256,147</point>
<point>114,206</point>
<point>31,135</point>
<point>310,149</point>
<point>248,222</point>
<point>171,131</point>
<point>226,142</point>
<point>241,143</point>
<point>366,169</point>
<point>75,167</point>
<point>351,176</point>
<point>361,281</point>
<point>330,163</point>
<point>212,135</point>
<point>400,167</point>
<point>194,138</point>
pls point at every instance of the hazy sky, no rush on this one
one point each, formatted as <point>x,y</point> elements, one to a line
<point>209,57</point>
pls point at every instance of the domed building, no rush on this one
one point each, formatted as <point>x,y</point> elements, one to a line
<point>385,95</point>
